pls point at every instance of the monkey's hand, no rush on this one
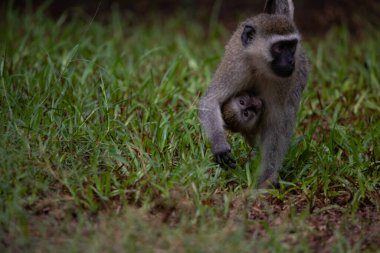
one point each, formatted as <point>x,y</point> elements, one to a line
<point>225,159</point>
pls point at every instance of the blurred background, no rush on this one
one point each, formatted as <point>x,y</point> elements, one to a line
<point>312,17</point>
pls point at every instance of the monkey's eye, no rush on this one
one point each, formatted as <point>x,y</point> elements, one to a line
<point>247,35</point>
<point>241,102</point>
<point>246,114</point>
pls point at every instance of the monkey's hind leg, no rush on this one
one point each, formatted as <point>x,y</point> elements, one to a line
<point>274,146</point>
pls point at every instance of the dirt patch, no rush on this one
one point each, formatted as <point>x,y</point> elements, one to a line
<point>321,227</point>
<point>292,217</point>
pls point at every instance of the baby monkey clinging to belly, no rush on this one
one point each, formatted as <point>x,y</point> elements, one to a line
<point>242,112</point>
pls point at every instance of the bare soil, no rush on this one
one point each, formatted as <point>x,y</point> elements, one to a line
<point>296,219</point>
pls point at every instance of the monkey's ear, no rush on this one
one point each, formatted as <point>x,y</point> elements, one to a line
<point>281,7</point>
<point>247,35</point>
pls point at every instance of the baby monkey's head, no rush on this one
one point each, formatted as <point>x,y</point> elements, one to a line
<point>241,112</point>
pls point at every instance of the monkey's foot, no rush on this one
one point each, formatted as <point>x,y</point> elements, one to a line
<point>225,159</point>
<point>271,182</point>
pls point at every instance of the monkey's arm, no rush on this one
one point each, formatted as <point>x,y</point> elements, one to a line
<point>212,122</point>
<point>230,78</point>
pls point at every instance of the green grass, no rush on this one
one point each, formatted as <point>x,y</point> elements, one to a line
<point>101,148</point>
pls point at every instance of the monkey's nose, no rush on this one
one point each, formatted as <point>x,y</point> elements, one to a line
<point>258,105</point>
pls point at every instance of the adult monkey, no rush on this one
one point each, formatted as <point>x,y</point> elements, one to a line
<point>264,56</point>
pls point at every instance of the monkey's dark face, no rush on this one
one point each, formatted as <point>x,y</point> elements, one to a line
<point>282,52</point>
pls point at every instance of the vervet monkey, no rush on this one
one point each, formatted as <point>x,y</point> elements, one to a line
<point>264,56</point>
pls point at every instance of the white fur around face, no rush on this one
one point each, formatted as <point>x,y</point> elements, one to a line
<point>275,38</point>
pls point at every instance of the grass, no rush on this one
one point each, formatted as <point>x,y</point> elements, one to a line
<point>101,148</point>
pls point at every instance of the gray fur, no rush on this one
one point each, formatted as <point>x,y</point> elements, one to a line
<point>247,69</point>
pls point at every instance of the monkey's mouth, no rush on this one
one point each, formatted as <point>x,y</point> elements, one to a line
<point>283,70</point>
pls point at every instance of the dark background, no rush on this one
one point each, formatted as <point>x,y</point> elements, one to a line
<point>312,16</point>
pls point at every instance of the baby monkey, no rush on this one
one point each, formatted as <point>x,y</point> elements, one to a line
<point>241,113</point>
